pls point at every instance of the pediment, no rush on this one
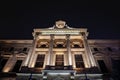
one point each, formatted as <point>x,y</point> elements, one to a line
<point>98,54</point>
<point>21,54</point>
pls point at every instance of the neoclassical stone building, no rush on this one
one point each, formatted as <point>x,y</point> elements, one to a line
<point>60,53</point>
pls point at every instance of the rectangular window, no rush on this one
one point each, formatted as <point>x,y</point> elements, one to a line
<point>1,49</point>
<point>40,61</point>
<point>11,49</point>
<point>24,49</point>
<point>5,49</point>
<point>17,66</point>
<point>95,49</point>
<point>109,49</point>
<point>102,66</point>
<point>116,66</point>
<point>59,60</point>
<point>79,61</point>
<point>3,61</point>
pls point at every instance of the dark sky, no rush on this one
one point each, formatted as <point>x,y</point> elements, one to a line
<point>18,19</point>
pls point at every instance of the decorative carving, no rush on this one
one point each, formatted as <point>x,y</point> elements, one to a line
<point>60,24</point>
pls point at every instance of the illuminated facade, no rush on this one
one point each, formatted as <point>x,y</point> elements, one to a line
<point>59,53</point>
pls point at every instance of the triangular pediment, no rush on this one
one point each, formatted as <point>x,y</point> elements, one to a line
<point>98,54</point>
<point>22,54</point>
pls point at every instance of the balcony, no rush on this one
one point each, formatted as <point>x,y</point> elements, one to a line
<point>91,70</point>
<point>58,67</point>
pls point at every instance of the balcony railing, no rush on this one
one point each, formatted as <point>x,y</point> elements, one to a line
<point>58,67</point>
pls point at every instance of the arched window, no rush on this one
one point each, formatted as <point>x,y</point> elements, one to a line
<point>59,45</point>
<point>76,46</point>
<point>43,46</point>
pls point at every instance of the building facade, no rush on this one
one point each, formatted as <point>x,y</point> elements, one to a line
<point>60,53</point>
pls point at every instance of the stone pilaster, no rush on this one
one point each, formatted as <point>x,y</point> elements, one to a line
<point>32,53</point>
<point>27,58</point>
<point>90,59</point>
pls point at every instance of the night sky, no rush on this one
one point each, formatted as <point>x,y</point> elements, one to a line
<point>18,19</point>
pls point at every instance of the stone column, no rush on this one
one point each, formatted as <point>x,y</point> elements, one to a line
<point>50,53</point>
<point>31,55</point>
<point>10,63</point>
<point>69,50</point>
<point>91,61</point>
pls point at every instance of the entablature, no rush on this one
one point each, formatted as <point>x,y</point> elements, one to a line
<point>60,31</point>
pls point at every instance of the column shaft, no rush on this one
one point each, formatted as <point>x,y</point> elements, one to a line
<point>69,50</point>
<point>50,53</point>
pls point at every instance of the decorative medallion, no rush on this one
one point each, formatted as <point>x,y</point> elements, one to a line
<point>60,24</point>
